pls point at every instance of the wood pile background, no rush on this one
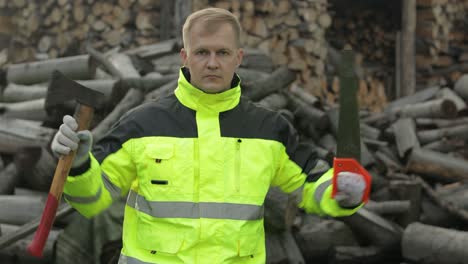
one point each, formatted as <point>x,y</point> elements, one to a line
<point>415,150</point>
<point>442,44</point>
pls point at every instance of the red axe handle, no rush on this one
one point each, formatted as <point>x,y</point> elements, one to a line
<point>84,115</point>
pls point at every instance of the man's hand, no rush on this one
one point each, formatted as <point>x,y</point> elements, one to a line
<point>350,188</point>
<point>67,139</point>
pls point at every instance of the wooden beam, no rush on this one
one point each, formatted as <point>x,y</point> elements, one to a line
<point>408,59</point>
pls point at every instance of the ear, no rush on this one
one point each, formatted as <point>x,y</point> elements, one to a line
<point>183,56</point>
<point>240,55</point>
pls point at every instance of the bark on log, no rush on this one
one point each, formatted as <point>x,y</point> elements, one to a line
<point>8,179</point>
<point>279,79</point>
<point>165,90</point>
<point>304,111</point>
<point>405,136</point>
<point>249,75</point>
<point>30,110</point>
<point>18,250</point>
<point>388,207</point>
<point>147,84</point>
<point>303,95</point>
<point>446,145</point>
<point>434,108</point>
<point>431,244</point>
<point>31,226</point>
<point>375,229</point>
<point>355,255</point>
<point>274,101</point>
<point>418,97</point>
<point>76,67</point>
<point>17,210</point>
<point>438,122</point>
<point>36,168</point>
<point>154,51</point>
<point>330,232</point>
<point>133,97</point>
<point>461,87</point>
<point>427,136</point>
<point>449,94</point>
<point>408,190</point>
<point>16,134</point>
<point>17,92</point>
<point>437,165</point>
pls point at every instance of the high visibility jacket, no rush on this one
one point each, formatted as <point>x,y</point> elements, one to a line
<point>196,168</point>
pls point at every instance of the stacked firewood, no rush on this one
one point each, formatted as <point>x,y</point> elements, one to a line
<point>415,151</point>
<point>442,42</point>
<point>55,28</point>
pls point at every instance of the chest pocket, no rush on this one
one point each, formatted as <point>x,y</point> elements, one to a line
<point>165,170</point>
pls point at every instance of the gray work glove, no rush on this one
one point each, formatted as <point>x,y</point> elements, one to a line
<point>350,189</point>
<point>67,139</point>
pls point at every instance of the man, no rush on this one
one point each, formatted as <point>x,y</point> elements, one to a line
<point>196,166</point>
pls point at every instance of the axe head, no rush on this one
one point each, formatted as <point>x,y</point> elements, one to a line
<point>62,89</point>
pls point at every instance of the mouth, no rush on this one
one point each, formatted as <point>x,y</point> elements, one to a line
<point>212,76</point>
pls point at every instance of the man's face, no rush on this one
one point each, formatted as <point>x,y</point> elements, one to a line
<point>212,56</point>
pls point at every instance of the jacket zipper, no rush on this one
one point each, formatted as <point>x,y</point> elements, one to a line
<point>237,168</point>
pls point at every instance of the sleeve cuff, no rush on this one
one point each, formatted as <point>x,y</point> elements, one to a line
<point>81,169</point>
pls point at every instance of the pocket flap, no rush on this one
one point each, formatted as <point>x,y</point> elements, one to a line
<point>151,236</point>
<point>160,151</point>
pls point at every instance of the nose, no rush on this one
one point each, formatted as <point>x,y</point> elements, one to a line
<point>212,62</point>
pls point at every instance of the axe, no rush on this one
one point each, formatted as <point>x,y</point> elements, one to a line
<point>62,89</point>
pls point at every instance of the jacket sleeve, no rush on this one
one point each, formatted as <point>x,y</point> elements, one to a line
<point>107,175</point>
<point>300,171</point>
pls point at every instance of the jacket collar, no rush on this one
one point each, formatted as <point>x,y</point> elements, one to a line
<point>198,100</point>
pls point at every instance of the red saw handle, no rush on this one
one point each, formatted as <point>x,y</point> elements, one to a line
<point>351,165</point>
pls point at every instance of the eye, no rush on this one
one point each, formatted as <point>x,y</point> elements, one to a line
<point>223,52</point>
<point>201,52</point>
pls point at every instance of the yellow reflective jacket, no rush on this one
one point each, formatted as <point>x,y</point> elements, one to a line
<point>196,168</point>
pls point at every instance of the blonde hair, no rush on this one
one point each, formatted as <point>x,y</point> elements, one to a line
<point>211,18</point>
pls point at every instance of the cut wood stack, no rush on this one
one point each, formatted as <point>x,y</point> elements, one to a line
<point>56,28</point>
<point>442,46</point>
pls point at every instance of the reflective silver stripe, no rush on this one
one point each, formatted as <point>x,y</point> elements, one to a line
<point>129,260</point>
<point>320,190</point>
<point>84,199</point>
<point>195,210</point>
<point>113,189</point>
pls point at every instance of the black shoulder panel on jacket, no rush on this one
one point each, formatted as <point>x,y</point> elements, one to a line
<point>166,117</point>
<point>247,120</point>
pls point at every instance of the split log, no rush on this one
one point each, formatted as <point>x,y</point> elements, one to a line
<point>249,75</point>
<point>369,132</point>
<point>461,87</point>
<point>164,90</point>
<point>303,95</point>
<point>405,136</point>
<point>154,51</point>
<point>427,136</point>
<point>432,244</point>
<point>125,69</point>
<point>30,110</point>
<point>279,79</point>
<point>408,190</point>
<point>8,179</point>
<point>76,67</point>
<point>291,248</point>
<point>432,108</point>
<point>390,164</point>
<point>437,166</point>
<point>17,134</point>
<point>17,92</point>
